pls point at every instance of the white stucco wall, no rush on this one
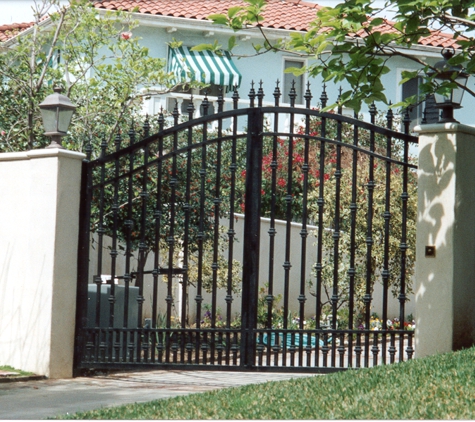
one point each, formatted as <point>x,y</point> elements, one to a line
<point>38,248</point>
<point>445,287</point>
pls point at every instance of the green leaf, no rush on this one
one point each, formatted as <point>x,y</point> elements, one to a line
<point>377,21</point>
<point>297,71</point>
<point>232,11</point>
<point>175,44</point>
<point>231,42</point>
<point>203,47</point>
<point>218,19</point>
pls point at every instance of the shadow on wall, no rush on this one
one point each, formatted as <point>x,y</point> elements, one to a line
<point>445,290</point>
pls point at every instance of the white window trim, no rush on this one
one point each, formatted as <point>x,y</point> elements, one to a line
<point>304,80</point>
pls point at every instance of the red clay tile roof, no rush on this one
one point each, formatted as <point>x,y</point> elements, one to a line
<point>9,31</point>
<point>436,39</point>
<point>440,39</point>
<point>279,14</point>
<point>290,15</point>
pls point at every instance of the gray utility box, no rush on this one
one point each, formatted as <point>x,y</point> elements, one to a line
<point>118,306</point>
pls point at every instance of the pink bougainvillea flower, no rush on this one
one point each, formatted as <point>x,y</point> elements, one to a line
<point>126,35</point>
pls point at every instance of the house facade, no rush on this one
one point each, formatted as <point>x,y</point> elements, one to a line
<point>186,20</point>
<point>161,23</point>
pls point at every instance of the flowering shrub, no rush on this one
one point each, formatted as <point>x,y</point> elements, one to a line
<point>291,166</point>
<point>286,158</point>
<point>207,318</point>
<point>125,35</point>
<point>376,324</point>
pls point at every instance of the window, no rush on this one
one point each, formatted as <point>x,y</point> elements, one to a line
<point>416,113</point>
<point>298,82</point>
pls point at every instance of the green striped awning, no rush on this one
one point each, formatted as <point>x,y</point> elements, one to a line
<point>203,66</point>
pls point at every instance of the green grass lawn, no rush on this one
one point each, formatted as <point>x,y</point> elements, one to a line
<point>18,372</point>
<point>437,387</point>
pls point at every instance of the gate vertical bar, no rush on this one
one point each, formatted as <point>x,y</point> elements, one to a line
<point>83,260</point>
<point>304,232</point>
<point>403,247</point>
<point>369,237</point>
<point>231,231</point>
<point>336,235</point>
<point>252,214</point>
<point>157,215</point>
<point>387,233</point>
<point>320,204</point>
<point>352,269</point>
<point>288,222</point>
<point>171,241</point>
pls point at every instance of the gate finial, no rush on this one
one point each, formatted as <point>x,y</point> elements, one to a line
<point>260,94</point>
<point>220,100</point>
<point>205,104</point>
<point>161,120</point>
<point>132,132</point>
<point>88,150</point>
<point>146,127</point>
<point>277,93</point>
<point>340,107</point>
<point>390,116</point>
<point>190,109</point>
<point>308,96</point>
<point>252,94</point>
<point>372,112</point>
<point>103,145</point>
<point>235,97</point>
<point>117,140</point>
<point>292,94</point>
<point>175,113</point>
<point>324,96</point>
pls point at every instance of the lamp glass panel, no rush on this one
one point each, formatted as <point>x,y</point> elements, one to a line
<point>50,120</point>
<point>458,93</point>
<point>64,120</point>
<point>442,99</point>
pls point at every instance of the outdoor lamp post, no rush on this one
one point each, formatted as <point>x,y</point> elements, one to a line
<point>56,111</point>
<point>443,71</point>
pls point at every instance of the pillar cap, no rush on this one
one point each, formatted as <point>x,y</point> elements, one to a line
<point>450,127</point>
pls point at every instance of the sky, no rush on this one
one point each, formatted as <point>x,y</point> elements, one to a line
<point>17,11</point>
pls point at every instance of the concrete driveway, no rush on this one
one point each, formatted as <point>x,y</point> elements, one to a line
<point>48,398</point>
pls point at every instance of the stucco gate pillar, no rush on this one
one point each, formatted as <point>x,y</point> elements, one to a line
<point>445,245</point>
<point>39,220</point>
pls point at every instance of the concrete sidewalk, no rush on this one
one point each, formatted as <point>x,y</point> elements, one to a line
<point>49,398</point>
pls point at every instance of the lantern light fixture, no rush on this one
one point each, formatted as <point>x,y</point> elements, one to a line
<point>448,101</point>
<point>57,111</point>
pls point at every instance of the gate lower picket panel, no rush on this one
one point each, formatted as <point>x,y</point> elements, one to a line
<point>268,238</point>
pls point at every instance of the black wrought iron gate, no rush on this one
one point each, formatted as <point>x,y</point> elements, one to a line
<point>269,237</point>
